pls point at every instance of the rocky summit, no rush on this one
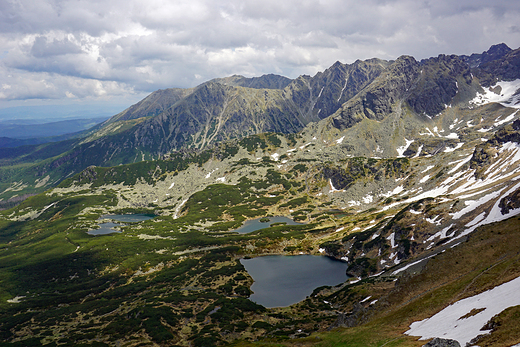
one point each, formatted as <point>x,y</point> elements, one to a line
<point>405,171</point>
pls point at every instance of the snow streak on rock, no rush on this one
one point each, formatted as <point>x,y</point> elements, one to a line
<point>400,150</point>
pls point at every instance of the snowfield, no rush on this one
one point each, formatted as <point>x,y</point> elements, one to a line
<point>458,322</point>
<point>506,96</point>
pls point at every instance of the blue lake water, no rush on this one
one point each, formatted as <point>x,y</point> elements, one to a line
<point>255,224</point>
<point>285,280</point>
<point>107,228</point>
<point>129,218</point>
<point>104,228</point>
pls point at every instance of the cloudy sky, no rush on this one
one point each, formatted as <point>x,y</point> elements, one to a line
<point>118,51</point>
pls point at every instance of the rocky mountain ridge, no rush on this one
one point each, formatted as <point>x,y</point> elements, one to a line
<point>383,93</point>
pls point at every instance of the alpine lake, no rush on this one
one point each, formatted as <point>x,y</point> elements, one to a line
<point>108,227</point>
<point>279,280</point>
<point>282,280</point>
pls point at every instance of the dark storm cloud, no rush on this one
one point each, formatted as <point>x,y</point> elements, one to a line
<point>78,48</point>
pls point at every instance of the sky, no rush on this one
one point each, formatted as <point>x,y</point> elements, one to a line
<point>115,52</point>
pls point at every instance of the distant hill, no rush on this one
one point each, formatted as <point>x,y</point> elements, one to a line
<point>40,133</point>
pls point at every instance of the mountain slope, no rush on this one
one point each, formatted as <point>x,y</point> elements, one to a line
<point>377,105</point>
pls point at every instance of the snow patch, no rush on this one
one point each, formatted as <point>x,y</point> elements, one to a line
<point>441,234</point>
<point>429,133</point>
<point>391,238</point>
<point>473,204</point>
<point>477,219</point>
<point>210,173</point>
<point>368,199</point>
<point>434,220</point>
<point>450,324</point>
<point>412,264</point>
<point>400,150</point>
<point>451,136</point>
<point>506,97</point>
<point>49,206</point>
<point>424,179</point>
<point>459,165</point>
<point>506,120</point>
<point>396,191</point>
<point>453,149</point>
<point>495,214</point>
<point>332,189</point>
<point>419,150</point>
<point>340,140</point>
<point>305,145</point>
<point>175,215</point>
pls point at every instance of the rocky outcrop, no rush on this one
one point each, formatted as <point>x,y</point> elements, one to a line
<point>438,342</point>
<point>269,81</point>
<point>486,153</point>
<point>438,83</point>
<point>493,53</point>
<point>510,202</point>
<point>378,100</point>
<point>505,68</point>
<point>153,105</point>
<point>350,319</point>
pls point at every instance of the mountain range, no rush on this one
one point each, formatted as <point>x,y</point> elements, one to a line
<point>406,170</point>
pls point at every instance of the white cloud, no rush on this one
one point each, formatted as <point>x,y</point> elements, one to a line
<point>137,46</point>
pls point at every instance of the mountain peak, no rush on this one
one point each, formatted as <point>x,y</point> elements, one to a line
<point>493,53</point>
<point>498,48</point>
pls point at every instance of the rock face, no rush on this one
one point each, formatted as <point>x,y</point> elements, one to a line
<point>380,97</point>
<point>426,86</point>
<point>388,101</point>
<point>510,202</point>
<point>486,153</point>
<point>493,53</point>
<point>438,342</point>
<point>504,67</point>
<point>224,109</point>
<point>269,81</point>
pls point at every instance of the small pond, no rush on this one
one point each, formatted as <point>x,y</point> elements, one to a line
<point>107,228</point>
<point>262,223</point>
<point>104,228</point>
<point>129,218</point>
<point>284,280</point>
